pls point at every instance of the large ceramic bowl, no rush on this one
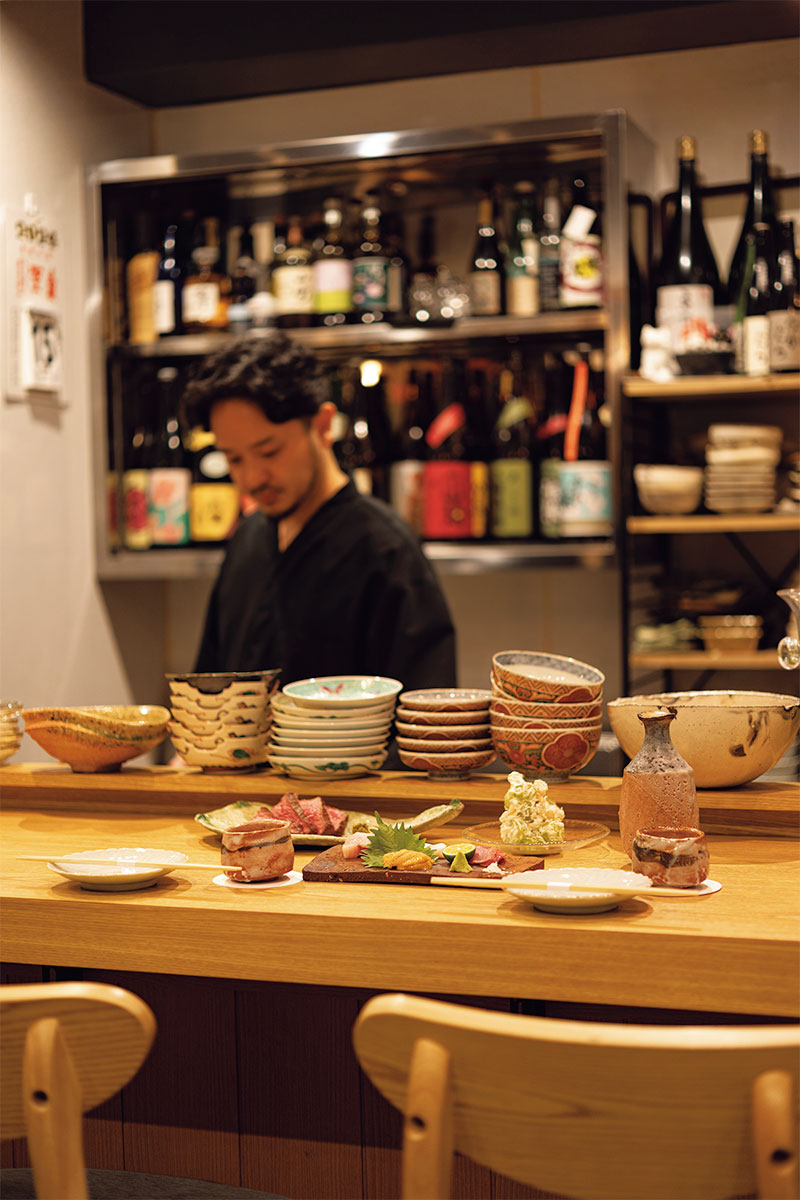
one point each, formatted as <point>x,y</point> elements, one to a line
<point>97,737</point>
<point>728,737</point>
<point>552,755</point>
<point>535,675</point>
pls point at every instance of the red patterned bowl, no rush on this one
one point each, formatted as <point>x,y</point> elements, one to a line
<point>553,755</point>
<point>505,706</point>
<point>534,675</point>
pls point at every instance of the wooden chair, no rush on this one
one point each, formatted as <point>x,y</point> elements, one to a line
<point>589,1110</point>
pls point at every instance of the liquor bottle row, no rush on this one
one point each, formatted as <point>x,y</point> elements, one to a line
<point>463,449</point>
<point>349,263</point>
<point>756,317</point>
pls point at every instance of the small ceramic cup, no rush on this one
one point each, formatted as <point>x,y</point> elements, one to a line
<point>672,857</point>
<point>260,849</point>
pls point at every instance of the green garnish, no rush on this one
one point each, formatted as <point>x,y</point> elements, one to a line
<point>385,838</point>
<point>460,863</point>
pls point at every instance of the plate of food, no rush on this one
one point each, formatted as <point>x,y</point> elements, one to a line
<point>532,824</point>
<point>315,823</point>
<point>576,834</point>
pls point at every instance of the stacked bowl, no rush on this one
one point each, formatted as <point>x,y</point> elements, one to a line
<point>221,720</point>
<point>10,729</point>
<point>333,726</point>
<point>741,463</point>
<point>545,713</point>
<point>444,731</point>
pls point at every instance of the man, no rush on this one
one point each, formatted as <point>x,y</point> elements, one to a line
<point>320,580</point>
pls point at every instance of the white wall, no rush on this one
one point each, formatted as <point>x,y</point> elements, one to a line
<point>57,642</point>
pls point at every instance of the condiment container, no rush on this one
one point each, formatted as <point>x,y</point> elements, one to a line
<point>261,850</point>
<point>658,787</point>
<point>672,857</point>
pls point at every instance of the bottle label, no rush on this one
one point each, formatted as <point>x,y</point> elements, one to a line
<point>522,295</point>
<point>405,491</point>
<point>293,288</point>
<point>550,498</point>
<point>581,266</point>
<point>755,344</point>
<point>200,303</point>
<point>687,311</point>
<point>585,499</point>
<point>512,497</point>
<point>140,277</point>
<point>784,339</point>
<point>485,288</point>
<point>444,424</point>
<point>168,507</point>
<point>447,495</point>
<point>213,510</point>
<point>370,284</point>
<point>164,306</point>
<point>478,499</point>
<point>333,282</point>
<point>135,487</point>
<point>548,278</point>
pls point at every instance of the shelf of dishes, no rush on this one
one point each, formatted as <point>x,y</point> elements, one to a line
<point>450,557</point>
<point>690,387</point>
<point>756,660</point>
<point>384,335</point>
<point>770,522</point>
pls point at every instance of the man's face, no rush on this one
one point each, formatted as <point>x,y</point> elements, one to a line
<point>278,465</point>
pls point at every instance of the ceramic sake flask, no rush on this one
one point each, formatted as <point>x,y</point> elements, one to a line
<point>658,786</point>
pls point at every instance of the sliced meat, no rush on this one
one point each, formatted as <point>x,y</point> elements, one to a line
<point>263,814</point>
<point>486,854</point>
<point>316,815</point>
<point>288,809</point>
<point>354,844</point>
<point>337,818</point>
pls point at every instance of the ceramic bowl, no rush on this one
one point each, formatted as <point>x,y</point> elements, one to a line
<point>335,766</point>
<point>505,706</point>
<point>727,737</point>
<point>223,683</point>
<point>342,691</point>
<point>226,756</point>
<point>752,435</point>
<point>419,716</point>
<point>446,700</point>
<point>721,639</point>
<point>447,766</point>
<point>345,737</point>
<point>446,747</point>
<point>10,729</point>
<point>125,875</point>
<point>237,708</point>
<point>442,733</point>
<point>536,675</point>
<point>284,706</point>
<point>97,737</point>
<point>367,721</point>
<point>553,755</point>
<point>190,727</point>
<point>520,724</point>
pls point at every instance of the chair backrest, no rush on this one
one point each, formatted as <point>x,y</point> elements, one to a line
<point>589,1110</point>
<point>65,1048</point>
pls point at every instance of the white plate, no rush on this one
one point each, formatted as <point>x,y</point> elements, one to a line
<point>329,737</point>
<point>338,750</point>
<point>571,902</point>
<point>342,691</point>
<point>332,767</point>
<point>125,876</point>
<point>321,720</point>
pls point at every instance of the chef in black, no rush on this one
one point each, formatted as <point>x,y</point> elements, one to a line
<point>321,580</point>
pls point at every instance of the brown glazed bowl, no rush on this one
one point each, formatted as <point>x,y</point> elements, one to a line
<point>261,850</point>
<point>673,857</point>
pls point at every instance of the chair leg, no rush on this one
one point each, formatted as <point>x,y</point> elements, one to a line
<point>775,1137</point>
<point>53,1114</point>
<point>428,1124</point>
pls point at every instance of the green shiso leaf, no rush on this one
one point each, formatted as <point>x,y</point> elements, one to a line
<point>385,838</point>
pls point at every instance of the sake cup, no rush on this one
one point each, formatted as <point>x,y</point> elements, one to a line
<point>260,849</point>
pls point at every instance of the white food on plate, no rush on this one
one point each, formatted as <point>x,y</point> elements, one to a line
<point>529,816</point>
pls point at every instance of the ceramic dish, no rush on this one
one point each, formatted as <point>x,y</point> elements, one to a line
<point>329,737</point>
<point>576,835</point>
<point>575,902</point>
<point>219,683</point>
<point>328,767</point>
<point>126,876</point>
<point>340,750</point>
<point>97,737</point>
<point>220,819</point>
<point>447,766</point>
<point>445,747</point>
<point>354,691</point>
<point>448,700</point>
<point>535,675</point>
<point>462,716</point>
<point>222,758</point>
<point>333,721</point>
<point>442,733</point>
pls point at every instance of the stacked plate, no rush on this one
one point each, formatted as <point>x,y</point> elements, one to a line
<point>793,478</point>
<point>333,726</point>
<point>444,731</point>
<point>546,712</point>
<point>10,729</point>
<point>221,721</point>
<point>741,462</point>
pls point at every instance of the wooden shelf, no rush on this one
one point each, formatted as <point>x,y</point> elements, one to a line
<point>773,522</point>
<point>728,386</point>
<point>757,660</point>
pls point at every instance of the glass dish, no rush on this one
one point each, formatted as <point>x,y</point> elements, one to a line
<point>576,835</point>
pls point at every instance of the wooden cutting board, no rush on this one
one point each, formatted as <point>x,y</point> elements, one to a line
<point>331,867</point>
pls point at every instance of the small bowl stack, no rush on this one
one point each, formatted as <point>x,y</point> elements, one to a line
<point>221,720</point>
<point>546,713</point>
<point>741,463</point>
<point>731,634</point>
<point>444,731</point>
<point>333,726</point>
<point>10,729</point>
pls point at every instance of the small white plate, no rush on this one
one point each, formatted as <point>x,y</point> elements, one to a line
<point>125,876</point>
<point>336,766</point>
<point>342,691</point>
<point>224,880</point>
<point>569,902</point>
<point>446,699</point>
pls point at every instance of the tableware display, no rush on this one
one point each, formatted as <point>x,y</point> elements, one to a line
<point>576,835</point>
<point>221,720</point>
<point>98,737</point>
<point>668,489</point>
<point>333,725</point>
<point>537,675</point>
<point>10,729</point>
<point>677,857</point>
<point>336,766</point>
<point>730,634</point>
<point>445,731</point>
<point>727,737</point>
<point>260,850</point>
<point>554,894</point>
<point>132,867</point>
<point>658,785</point>
<point>741,462</point>
<point>351,691</point>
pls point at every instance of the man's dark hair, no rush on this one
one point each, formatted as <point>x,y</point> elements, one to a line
<point>282,377</point>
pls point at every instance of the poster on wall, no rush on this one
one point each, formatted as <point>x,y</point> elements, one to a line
<point>33,281</point>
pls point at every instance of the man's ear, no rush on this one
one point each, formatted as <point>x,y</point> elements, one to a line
<point>324,422</point>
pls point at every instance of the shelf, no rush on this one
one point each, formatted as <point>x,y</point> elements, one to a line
<point>701,386</point>
<point>355,336</point>
<point>773,522</point>
<point>757,660</point>
<point>457,558</point>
